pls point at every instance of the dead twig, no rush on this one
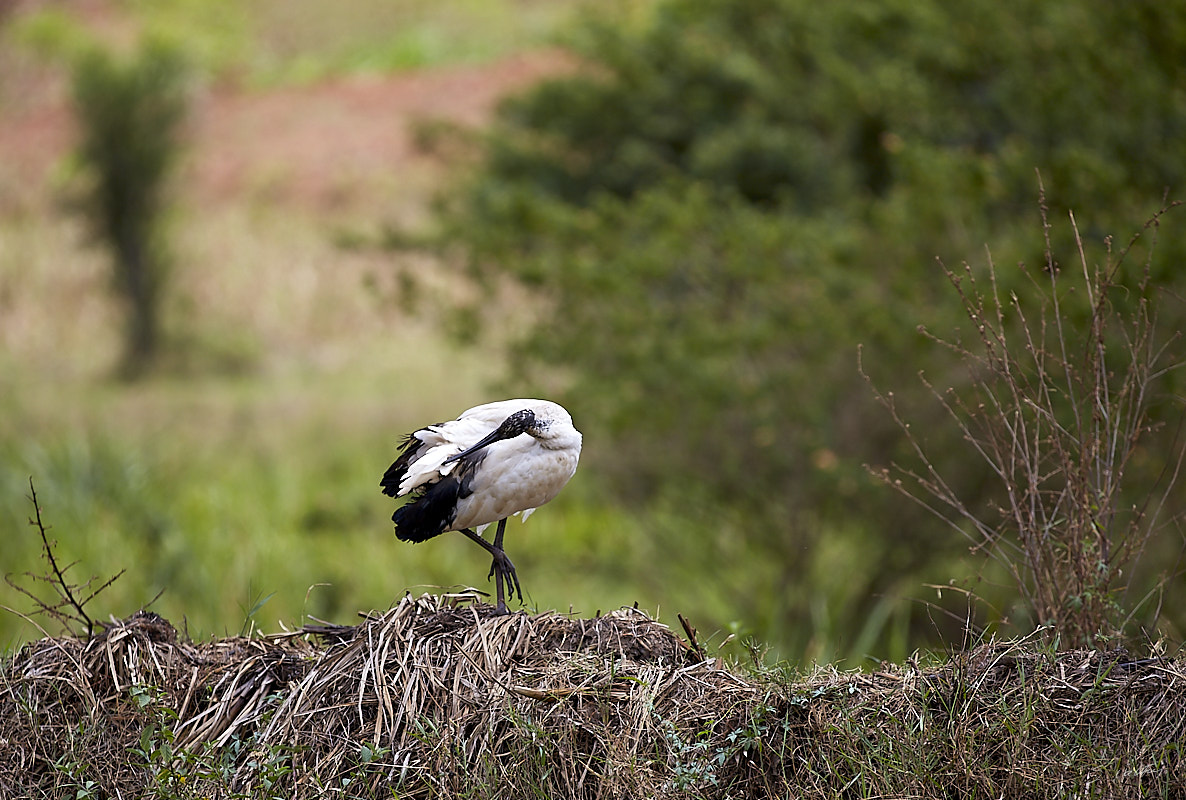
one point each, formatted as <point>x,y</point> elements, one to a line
<point>68,610</point>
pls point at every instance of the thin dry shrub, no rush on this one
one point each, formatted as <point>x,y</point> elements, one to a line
<point>66,608</point>
<point>1063,376</point>
<point>438,698</point>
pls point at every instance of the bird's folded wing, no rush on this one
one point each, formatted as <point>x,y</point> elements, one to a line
<point>441,442</point>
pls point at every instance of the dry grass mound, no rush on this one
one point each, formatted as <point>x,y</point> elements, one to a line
<point>437,698</point>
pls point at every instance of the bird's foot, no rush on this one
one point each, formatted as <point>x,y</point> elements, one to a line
<point>501,569</point>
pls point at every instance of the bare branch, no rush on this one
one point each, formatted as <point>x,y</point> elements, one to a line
<point>1057,403</point>
<point>68,610</point>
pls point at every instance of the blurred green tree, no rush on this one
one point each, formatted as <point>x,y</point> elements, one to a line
<point>130,112</point>
<point>725,198</point>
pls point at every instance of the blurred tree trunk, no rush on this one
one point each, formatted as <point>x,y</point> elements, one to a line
<point>136,270</point>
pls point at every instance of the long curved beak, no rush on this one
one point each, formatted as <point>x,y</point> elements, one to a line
<point>491,438</point>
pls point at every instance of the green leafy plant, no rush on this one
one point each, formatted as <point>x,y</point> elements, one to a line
<point>257,602</point>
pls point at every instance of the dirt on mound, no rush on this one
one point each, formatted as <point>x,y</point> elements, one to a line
<point>437,697</point>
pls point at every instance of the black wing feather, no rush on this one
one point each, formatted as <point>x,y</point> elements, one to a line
<point>409,450</point>
<point>431,508</point>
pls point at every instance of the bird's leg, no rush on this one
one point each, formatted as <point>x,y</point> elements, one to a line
<point>497,568</point>
<point>508,569</point>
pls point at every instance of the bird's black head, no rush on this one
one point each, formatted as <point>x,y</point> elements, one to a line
<point>517,423</point>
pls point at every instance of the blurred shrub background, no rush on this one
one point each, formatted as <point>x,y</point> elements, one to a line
<point>683,231</point>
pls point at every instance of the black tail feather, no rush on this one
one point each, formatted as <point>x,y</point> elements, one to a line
<point>432,507</point>
<point>429,514</point>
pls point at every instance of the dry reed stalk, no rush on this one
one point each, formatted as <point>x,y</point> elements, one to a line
<point>438,698</point>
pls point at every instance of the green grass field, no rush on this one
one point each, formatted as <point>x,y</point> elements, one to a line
<point>241,483</point>
<point>242,479</point>
<point>237,485</point>
<point>236,488</point>
<point>250,469</point>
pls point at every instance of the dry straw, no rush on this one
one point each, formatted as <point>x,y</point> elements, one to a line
<point>437,698</point>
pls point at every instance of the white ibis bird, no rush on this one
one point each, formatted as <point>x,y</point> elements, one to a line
<point>493,461</point>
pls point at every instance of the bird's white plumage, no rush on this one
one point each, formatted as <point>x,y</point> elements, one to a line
<point>493,461</point>
<point>516,475</point>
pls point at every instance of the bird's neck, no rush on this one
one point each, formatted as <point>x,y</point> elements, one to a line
<point>566,442</point>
